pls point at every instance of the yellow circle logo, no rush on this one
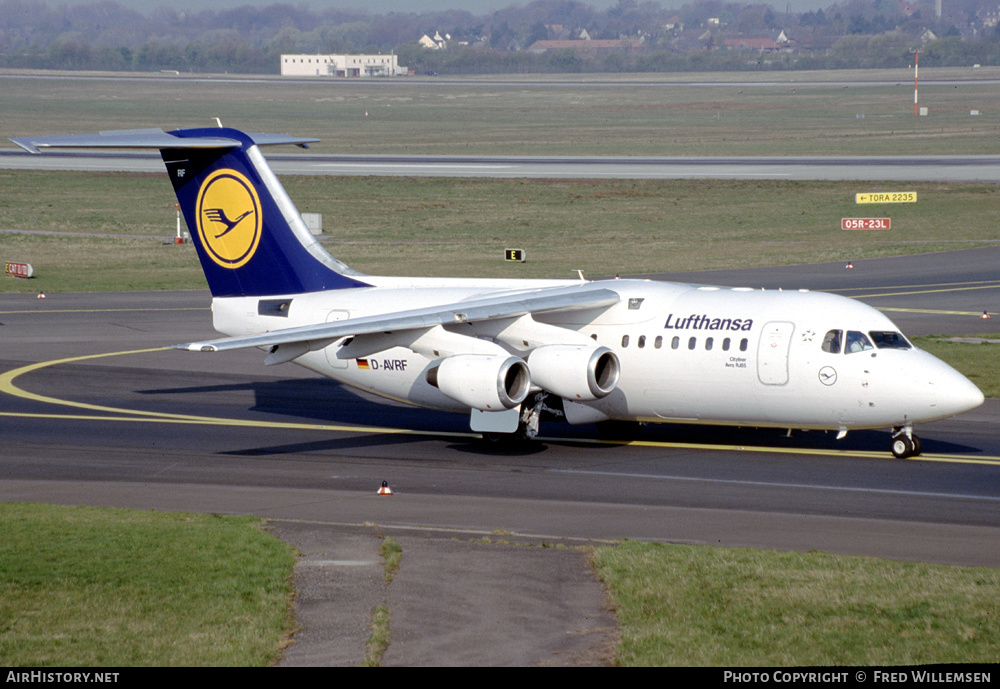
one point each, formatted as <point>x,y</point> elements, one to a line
<point>229,218</point>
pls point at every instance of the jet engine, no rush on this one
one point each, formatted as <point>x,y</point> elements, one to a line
<point>575,372</point>
<point>485,382</point>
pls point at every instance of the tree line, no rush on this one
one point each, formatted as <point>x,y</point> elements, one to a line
<point>856,33</point>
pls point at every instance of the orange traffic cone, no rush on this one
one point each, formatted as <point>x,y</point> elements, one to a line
<point>41,295</point>
<point>385,489</point>
<point>984,317</point>
<point>849,265</point>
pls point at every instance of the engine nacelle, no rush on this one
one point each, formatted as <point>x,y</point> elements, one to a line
<point>575,372</point>
<point>484,382</point>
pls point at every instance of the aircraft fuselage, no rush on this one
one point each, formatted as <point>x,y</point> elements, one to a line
<point>688,353</point>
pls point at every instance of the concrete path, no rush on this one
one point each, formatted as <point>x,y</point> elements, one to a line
<point>455,601</point>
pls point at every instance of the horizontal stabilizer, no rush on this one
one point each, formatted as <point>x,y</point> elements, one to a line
<point>150,138</point>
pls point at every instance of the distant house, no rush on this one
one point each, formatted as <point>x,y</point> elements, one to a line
<point>439,42</point>
<point>428,42</point>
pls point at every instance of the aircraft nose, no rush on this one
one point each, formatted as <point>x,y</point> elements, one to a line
<point>957,394</point>
<point>951,393</point>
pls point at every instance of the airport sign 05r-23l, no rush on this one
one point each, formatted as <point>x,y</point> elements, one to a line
<point>865,223</point>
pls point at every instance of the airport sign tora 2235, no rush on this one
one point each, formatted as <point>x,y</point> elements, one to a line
<point>887,197</point>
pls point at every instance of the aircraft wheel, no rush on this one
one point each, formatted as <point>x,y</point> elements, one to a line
<point>902,447</point>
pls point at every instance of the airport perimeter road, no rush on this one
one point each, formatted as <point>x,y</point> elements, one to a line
<point>984,168</point>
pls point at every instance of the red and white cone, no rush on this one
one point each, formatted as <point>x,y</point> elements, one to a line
<point>384,489</point>
<point>984,317</point>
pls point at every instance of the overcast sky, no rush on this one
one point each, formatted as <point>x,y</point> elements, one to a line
<point>477,7</point>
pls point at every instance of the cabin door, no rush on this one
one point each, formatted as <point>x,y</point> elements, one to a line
<point>772,353</point>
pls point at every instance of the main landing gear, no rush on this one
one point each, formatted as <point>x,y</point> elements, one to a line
<point>531,414</point>
<point>904,443</point>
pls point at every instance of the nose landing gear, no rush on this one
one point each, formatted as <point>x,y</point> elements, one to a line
<point>905,443</point>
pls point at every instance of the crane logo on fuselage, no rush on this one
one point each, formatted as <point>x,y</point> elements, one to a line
<point>228,218</point>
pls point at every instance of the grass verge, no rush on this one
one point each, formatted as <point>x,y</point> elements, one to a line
<point>82,586</point>
<point>392,554</point>
<point>700,606</point>
<point>378,640</point>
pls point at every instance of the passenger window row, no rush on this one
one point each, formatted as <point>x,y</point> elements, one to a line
<point>692,343</point>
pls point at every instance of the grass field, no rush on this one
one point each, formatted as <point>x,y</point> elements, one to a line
<point>81,586</point>
<point>731,607</point>
<point>837,112</point>
<point>112,227</point>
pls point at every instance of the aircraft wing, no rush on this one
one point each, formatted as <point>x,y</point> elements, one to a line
<point>505,305</point>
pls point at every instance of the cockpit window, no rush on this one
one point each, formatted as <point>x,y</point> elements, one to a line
<point>857,342</point>
<point>831,343</point>
<point>888,340</point>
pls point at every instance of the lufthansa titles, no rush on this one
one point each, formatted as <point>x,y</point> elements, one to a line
<point>704,322</point>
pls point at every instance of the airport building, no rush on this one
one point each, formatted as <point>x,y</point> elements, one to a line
<point>346,66</point>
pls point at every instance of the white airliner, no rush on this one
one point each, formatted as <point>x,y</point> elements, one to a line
<point>508,352</point>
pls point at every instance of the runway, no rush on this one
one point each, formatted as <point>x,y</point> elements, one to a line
<point>977,168</point>
<point>94,411</point>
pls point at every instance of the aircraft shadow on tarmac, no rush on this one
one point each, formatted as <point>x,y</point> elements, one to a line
<point>320,401</point>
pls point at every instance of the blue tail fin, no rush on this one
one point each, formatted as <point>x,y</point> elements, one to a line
<point>250,238</point>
